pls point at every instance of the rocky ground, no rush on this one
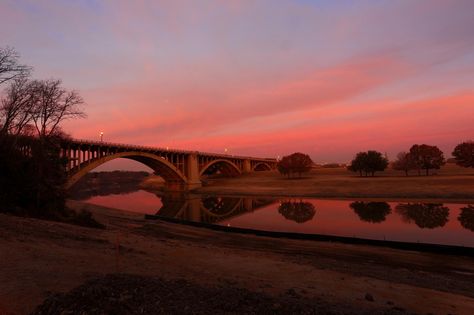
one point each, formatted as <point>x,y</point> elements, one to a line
<point>128,294</point>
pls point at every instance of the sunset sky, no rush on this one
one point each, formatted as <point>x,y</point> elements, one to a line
<point>262,78</point>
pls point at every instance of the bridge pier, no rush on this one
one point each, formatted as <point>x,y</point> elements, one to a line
<point>248,204</point>
<point>192,172</point>
<point>246,166</point>
<point>193,212</point>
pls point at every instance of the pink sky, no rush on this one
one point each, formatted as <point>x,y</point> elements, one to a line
<point>262,78</point>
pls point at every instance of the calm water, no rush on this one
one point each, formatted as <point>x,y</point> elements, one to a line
<point>450,224</point>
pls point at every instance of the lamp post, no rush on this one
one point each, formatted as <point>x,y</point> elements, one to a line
<point>101,136</point>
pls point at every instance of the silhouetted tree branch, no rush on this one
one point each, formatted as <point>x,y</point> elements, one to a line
<point>54,105</point>
<point>10,69</point>
<point>17,107</point>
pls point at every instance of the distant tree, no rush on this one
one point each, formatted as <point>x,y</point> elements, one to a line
<point>466,217</point>
<point>358,163</point>
<point>404,162</point>
<point>299,212</point>
<point>368,162</point>
<point>283,166</point>
<point>427,157</point>
<point>10,68</point>
<point>425,215</point>
<point>374,212</point>
<point>296,163</point>
<point>464,154</point>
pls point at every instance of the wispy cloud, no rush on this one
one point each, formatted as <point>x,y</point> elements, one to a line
<point>259,77</point>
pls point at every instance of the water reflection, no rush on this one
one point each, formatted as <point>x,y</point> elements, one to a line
<point>373,212</point>
<point>333,217</point>
<point>466,217</point>
<point>425,215</point>
<point>209,209</point>
<point>107,183</point>
<point>298,211</point>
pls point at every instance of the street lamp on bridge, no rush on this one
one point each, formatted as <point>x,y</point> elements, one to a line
<point>101,136</point>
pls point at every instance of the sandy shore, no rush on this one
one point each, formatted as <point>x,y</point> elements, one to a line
<point>41,257</point>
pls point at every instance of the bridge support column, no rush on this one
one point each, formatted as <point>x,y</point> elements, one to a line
<point>193,211</point>
<point>248,204</point>
<point>246,167</point>
<point>192,172</point>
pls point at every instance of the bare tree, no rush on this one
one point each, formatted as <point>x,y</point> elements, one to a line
<point>404,162</point>
<point>10,69</point>
<point>54,104</point>
<point>17,107</point>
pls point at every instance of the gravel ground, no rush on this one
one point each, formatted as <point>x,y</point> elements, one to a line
<point>130,294</point>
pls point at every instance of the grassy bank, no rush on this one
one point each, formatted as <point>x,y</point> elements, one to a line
<point>451,183</point>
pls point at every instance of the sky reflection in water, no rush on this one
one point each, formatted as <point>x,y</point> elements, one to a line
<point>450,224</point>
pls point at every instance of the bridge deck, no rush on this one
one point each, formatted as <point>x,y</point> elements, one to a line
<point>130,147</point>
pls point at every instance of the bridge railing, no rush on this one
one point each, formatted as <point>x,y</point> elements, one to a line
<point>161,149</point>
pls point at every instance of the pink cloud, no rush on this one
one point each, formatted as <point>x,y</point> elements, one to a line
<point>258,77</point>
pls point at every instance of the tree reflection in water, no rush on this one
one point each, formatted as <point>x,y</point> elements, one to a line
<point>425,215</point>
<point>374,212</point>
<point>466,217</point>
<point>298,211</point>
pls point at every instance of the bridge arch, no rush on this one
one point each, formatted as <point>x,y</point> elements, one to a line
<point>227,167</point>
<point>220,207</point>
<point>161,166</point>
<point>262,166</point>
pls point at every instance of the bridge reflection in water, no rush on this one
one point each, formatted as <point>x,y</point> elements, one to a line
<point>416,222</point>
<point>209,209</point>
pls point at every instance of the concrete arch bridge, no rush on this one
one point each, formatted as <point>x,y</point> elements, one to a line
<point>181,170</point>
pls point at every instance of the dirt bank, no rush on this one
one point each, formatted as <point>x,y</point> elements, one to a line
<point>40,258</point>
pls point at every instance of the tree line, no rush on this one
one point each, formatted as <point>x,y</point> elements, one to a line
<point>420,158</point>
<point>32,172</point>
